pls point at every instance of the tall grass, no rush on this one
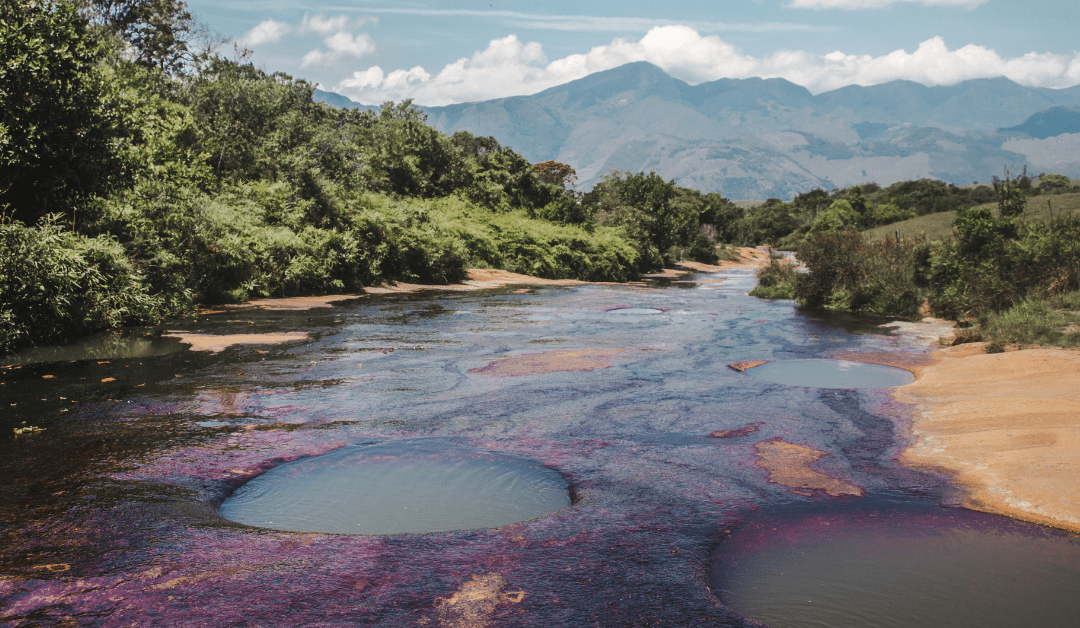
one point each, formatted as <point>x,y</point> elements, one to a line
<point>1054,321</point>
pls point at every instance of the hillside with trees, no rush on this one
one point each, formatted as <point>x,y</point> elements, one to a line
<point>142,172</point>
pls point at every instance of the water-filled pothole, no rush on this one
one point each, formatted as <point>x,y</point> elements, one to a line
<point>819,373</point>
<point>897,565</point>
<point>398,488</point>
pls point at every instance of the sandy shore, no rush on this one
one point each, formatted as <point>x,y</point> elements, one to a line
<point>1006,426</point>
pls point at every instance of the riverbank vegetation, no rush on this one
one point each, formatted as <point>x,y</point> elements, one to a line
<point>142,173</point>
<point>1006,276</point>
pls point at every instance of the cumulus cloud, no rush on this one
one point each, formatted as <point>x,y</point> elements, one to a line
<point>877,4</point>
<point>267,32</point>
<point>341,45</point>
<point>509,67</point>
<point>325,25</point>
<point>336,32</point>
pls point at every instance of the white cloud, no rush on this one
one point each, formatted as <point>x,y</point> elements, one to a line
<point>352,45</point>
<point>398,85</point>
<point>336,32</point>
<point>877,4</point>
<point>267,32</point>
<point>341,45</point>
<point>325,25</point>
<point>509,67</point>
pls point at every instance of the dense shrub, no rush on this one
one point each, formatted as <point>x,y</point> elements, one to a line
<point>994,263</point>
<point>702,249</point>
<point>777,280</point>
<point>55,285</point>
<point>845,271</point>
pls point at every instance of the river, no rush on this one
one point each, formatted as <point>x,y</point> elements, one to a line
<point>111,507</point>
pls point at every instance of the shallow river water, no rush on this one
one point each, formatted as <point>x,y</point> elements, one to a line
<point>642,482</point>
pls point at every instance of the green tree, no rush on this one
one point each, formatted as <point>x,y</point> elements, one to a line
<point>643,205</point>
<point>1051,182</point>
<point>1012,200</point>
<point>58,121</point>
<point>158,31</point>
<point>813,202</point>
<point>839,216</point>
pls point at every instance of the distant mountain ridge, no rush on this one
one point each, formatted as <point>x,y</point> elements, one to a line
<point>1050,123</point>
<point>759,138</point>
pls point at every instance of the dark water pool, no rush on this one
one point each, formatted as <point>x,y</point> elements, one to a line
<point>108,346</point>
<point>110,512</point>
<point>882,564</point>
<point>818,373</point>
<point>396,488</point>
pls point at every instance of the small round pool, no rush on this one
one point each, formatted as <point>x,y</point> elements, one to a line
<point>820,373</point>
<point>398,488</point>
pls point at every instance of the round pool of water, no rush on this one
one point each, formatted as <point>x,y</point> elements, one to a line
<point>397,488</point>
<point>819,373</point>
<point>898,566</point>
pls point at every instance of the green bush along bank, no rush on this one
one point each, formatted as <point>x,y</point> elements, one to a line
<point>1004,278</point>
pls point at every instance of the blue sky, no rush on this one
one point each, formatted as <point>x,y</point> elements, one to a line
<point>445,51</point>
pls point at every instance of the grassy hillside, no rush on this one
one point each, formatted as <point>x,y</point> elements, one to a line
<point>939,226</point>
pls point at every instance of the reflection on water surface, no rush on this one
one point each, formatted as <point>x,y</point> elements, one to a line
<point>109,346</point>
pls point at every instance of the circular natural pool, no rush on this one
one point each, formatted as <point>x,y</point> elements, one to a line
<point>398,488</point>
<point>897,565</point>
<point>820,373</point>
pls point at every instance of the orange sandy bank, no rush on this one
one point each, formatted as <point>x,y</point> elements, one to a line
<point>218,343</point>
<point>1005,425</point>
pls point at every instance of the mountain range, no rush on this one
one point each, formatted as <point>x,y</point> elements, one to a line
<point>760,138</point>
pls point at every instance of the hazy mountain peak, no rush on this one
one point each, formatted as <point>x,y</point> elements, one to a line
<point>641,78</point>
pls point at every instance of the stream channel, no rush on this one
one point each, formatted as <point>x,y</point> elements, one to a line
<point>554,456</point>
